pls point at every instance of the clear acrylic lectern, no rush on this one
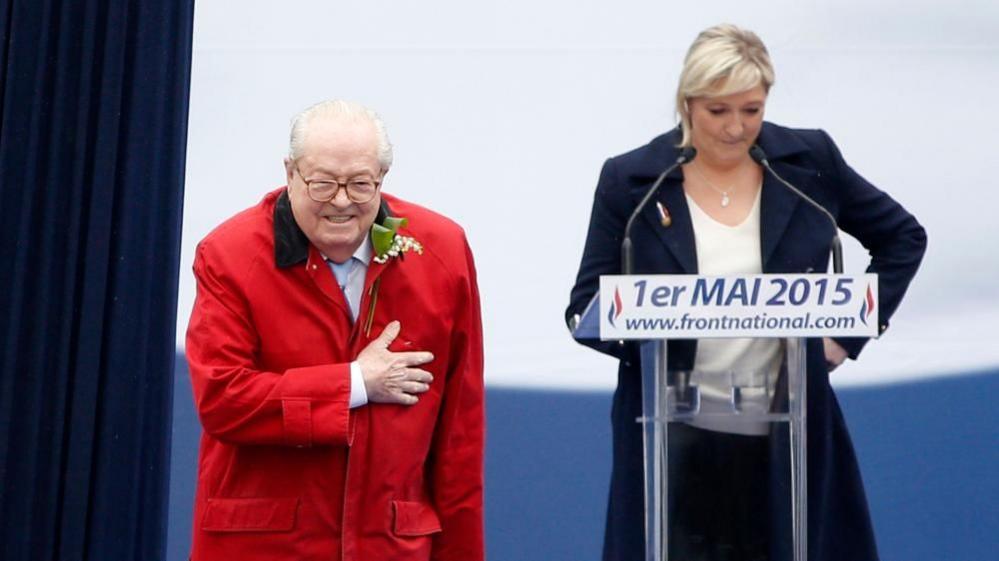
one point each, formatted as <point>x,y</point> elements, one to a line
<point>774,399</point>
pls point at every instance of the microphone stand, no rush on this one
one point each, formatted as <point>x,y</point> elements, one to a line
<point>836,246</point>
<point>627,251</point>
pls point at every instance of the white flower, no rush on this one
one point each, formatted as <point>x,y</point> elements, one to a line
<point>400,245</point>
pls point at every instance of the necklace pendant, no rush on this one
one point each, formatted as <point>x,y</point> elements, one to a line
<point>725,200</point>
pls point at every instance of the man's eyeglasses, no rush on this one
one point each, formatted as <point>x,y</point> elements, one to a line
<point>359,191</point>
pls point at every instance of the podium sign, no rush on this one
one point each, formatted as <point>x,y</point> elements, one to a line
<point>704,307</point>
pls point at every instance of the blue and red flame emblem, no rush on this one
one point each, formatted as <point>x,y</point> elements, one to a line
<point>867,307</point>
<point>616,307</point>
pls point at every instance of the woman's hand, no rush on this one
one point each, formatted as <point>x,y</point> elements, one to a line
<point>835,354</point>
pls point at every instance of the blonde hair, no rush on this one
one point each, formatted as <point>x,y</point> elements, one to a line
<point>724,59</point>
<point>339,108</point>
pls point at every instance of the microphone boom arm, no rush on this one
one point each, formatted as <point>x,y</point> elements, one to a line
<point>627,251</point>
<point>836,246</point>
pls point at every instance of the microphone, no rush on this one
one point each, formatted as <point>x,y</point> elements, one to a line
<point>627,252</point>
<point>760,157</point>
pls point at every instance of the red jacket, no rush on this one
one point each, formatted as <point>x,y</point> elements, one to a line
<point>286,469</point>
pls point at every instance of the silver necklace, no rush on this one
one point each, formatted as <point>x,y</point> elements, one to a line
<point>725,200</point>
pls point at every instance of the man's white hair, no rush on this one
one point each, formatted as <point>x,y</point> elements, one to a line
<point>339,109</point>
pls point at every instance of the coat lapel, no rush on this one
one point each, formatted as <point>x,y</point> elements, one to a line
<point>374,268</point>
<point>319,271</point>
<point>777,203</point>
<point>678,238</point>
<point>372,287</point>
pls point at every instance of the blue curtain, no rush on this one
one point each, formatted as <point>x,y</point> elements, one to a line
<point>93,125</point>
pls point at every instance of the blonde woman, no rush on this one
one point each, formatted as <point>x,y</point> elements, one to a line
<point>727,217</point>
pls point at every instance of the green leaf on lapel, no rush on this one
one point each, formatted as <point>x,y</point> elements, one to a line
<point>383,234</point>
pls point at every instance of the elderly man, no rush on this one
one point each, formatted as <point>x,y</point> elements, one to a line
<point>335,350</point>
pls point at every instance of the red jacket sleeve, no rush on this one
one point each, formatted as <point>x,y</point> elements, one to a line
<point>236,401</point>
<point>456,466</point>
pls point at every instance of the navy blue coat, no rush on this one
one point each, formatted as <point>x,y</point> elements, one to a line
<point>794,239</point>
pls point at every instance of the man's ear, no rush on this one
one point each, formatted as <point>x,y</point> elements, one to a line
<point>289,170</point>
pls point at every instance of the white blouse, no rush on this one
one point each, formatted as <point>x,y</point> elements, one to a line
<point>723,250</point>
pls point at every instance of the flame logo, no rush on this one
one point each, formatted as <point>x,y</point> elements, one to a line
<point>616,307</point>
<point>867,307</point>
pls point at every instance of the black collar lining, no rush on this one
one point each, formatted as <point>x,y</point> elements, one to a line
<point>291,246</point>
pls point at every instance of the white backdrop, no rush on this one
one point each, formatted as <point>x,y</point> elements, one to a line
<point>502,114</point>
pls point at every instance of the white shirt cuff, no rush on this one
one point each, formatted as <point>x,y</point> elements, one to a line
<point>358,395</point>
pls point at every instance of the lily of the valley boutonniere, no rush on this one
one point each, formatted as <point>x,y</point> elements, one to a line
<point>387,243</point>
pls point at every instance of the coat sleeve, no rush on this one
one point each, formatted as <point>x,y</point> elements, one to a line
<point>602,251</point>
<point>893,237</point>
<point>236,401</point>
<point>456,463</point>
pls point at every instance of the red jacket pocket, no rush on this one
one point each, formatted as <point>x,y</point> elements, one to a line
<point>414,519</point>
<point>250,515</point>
